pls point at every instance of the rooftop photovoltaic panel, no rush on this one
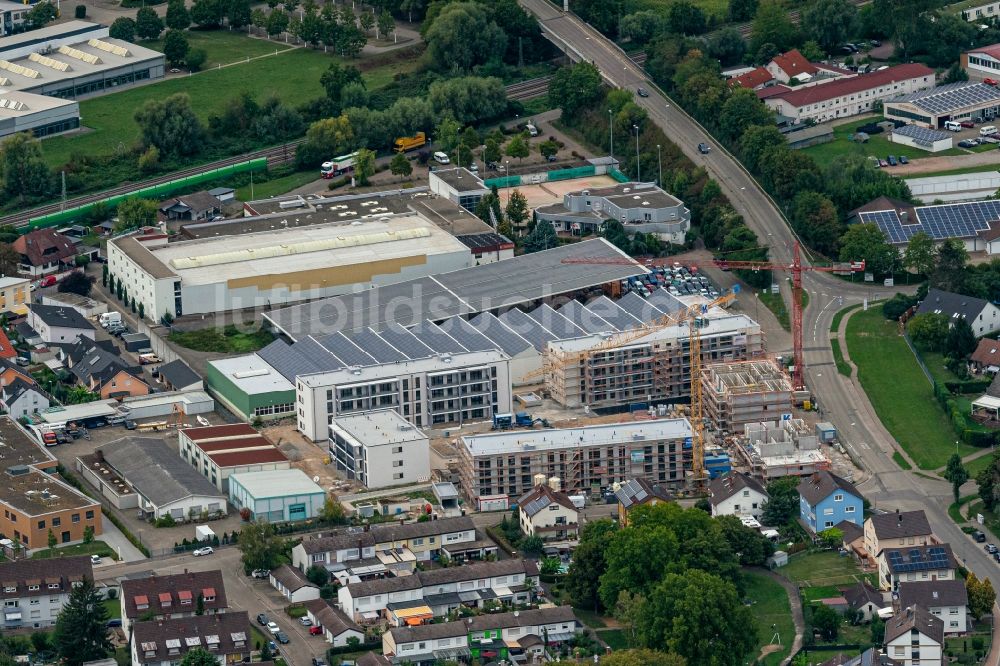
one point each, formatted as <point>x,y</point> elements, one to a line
<point>466,334</point>
<point>557,324</point>
<point>584,318</point>
<point>918,559</point>
<point>527,328</point>
<point>406,342</point>
<point>348,352</point>
<point>888,222</point>
<point>436,339</point>
<point>510,342</point>
<point>606,309</point>
<point>287,360</point>
<point>639,307</point>
<point>320,354</point>
<point>375,346</point>
<point>951,97</point>
<point>665,302</point>
<point>921,135</point>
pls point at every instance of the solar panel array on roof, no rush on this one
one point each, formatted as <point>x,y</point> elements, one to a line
<point>347,351</point>
<point>584,318</point>
<point>559,325</point>
<point>917,559</point>
<point>527,328</point>
<point>432,336</point>
<point>639,307</point>
<point>536,505</point>
<point>958,220</point>
<point>510,342</point>
<point>921,135</point>
<point>406,342</point>
<point>606,309</point>
<point>466,334</point>
<point>665,302</point>
<point>287,360</point>
<point>375,346</point>
<point>951,97</point>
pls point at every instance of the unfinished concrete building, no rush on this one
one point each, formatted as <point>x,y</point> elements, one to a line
<point>735,394</point>
<point>498,467</point>
<point>781,448</point>
<point>655,367</point>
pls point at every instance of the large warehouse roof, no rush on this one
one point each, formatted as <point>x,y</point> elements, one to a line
<point>466,291</point>
<point>951,97</point>
<point>958,220</point>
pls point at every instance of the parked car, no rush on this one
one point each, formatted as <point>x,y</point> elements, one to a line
<point>262,619</point>
<point>883,163</point>
<point>978,536</point>
<point>130,424</point>
<point>990,548</point>
<point>965,143</point>
<point>316,661</point>
<point>282,637</point>
<point>261,573</point>
<point>642,92</point>
<point>990,82</point>
<point>316,630</point>
<point>273,647</point>
<point>305,622</point>
<point>205,550</point>
<point>967,124</point>
<point>47,281</point>
<point>903,159</point>
<point>704,148</point>
<point>95,559</point>
<point>892,160</point>
<point>273,627</point>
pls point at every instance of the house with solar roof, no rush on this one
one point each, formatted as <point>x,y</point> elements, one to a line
<point>975,223</point>
<point>901,564</point>
<point>932,107</point>
<point>983,316</point>
<point>548,514</point>
<point>638,492</point>
<point>924,138</point>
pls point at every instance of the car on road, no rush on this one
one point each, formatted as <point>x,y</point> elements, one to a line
<point>47,281</point>
<point>316,661</point>
<point>273,627</point>
<point>95,559</point>
<point>205,550</point>
<point>704,148</point>
<point>642,92</point>
<point>990,548</point>
<point>282,637</point>
<point>261,573</point>
<point>316,630</point>
<point>262,619</point>
<point>903,159</point>
<point>305,622</point>
<point>978,536</point>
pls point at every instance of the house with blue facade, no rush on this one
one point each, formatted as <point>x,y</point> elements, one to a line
<point>826,499</point>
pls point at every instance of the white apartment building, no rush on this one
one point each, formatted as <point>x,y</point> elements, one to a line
<point>914,637</point>
<point>947,600</point>
<point>977,10</point>
<point>448,388</point>
<point>35,591</point>
<point>380,448</point>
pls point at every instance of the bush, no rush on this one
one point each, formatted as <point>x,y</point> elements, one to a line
<point>80,12</point>
<point>165,521</point>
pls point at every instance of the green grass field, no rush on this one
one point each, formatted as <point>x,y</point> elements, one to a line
<point>770,607</point>
<point>898,458</point>
<point>615,638</point>
<point>223,47</point>
<point>974,467</point>
<point>935,362</point>
<point>899,391</point>
<point>227,340</point>
<point>92,548</point>
<point>878,145</point>
<point>277,186</point>
<point>825,570</point>
<point>957,172</point>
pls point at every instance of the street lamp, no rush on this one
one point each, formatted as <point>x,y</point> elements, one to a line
<point>611,127</point>
<point>638,177</point>
<point>659,167</point>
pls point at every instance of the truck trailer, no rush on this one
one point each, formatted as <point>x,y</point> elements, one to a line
<point>338,165</point>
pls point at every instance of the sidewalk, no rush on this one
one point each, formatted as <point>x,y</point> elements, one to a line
<point>113,537</point>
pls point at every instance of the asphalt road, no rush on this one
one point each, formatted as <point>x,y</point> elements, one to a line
<point>841,400</point>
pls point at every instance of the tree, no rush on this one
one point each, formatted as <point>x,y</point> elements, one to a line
<point>831,537</point>
<point>463,35</point>
<point>318,575</point>
<point>981,595</point>
<point>988,481</point>
<point>950,270</point>
<point>199,657</point>
<point>277,22</point>
<point>81,632</point>
<point>575,88</point>
<point>336,77</point>
<point>642,657</point>
<point>686,18</point>
<point>207,13</point>
<point>77,282</point>
<point>829,22</point>
<point>52,541</point>
<point>756,141</point>
<point>548,148</point>
<point>517,208</point>
<point>386,24</point>
<point>955,74</point>
<point>589,563</point>
<point>40,15</point>
<point>136,212</point>
<point>364,165</point>
<point>542,237</point>
<point>492,153</point>
<point>814,217</point>
<point>23,168</point>
<point>826,621</point>
<point>468,99</point>
<point>175,47</point>
<point>920,254</point>
<point>742,10</point>
<point>867,242</point>
<point>178,17</point>
<point>752,547</point>
<point>929,331</point>
<point>332,512</point>
<point>199,605</point>
<point>517,147</point>
<point>195,58</point>
<point>148,24</point>
<point>171,124</point>
<point>324,139</point>
<point>88,534</point>
<point>961,341</point>
<point>741,111</point>
<point>532,546</point>
<point>643,26</point>
<point>700,617</point>
<point>238,13</point>
<point>261,547</point>
<point>956,474</point>
<point>123,28</point>
<point>727,46</point>
<point>400,165</point>
<point>771,25</point>
<point>783,501</point>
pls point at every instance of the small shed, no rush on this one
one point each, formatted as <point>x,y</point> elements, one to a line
<point>223,194</point>
<point>779,559</point>
<point>933,141</point>
<point>826,432</point>
<point>135,341</point>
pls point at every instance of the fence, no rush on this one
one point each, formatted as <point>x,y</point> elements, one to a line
<point>618,175</point>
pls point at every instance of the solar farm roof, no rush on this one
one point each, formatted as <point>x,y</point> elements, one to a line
<point>951,97</point>
<point>958,220</point>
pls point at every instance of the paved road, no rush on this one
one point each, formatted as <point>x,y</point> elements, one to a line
<point>842,402</point>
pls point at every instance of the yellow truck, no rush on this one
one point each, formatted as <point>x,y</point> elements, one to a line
<point>405,143</point>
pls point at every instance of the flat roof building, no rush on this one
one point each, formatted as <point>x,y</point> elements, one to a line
<point>458,185</point>
<point>781,448</point>
<point>277,496</point>
<point>930,108</point>
<point>380,448</point>
<point>250,387</point>
<point>42,116</point>
<point>589,459</point>
<point>36,504</point>
<point>735,394</point>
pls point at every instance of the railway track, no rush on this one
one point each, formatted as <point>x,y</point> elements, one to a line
<point>275,156</point>
<point>533,88</point>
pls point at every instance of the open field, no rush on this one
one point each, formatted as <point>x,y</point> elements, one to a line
<point>223,47</point>
<point>770,607</point>
<point>878,145</point>
<point>228,340</point>
<point>899,391</point>
<point>277,186</point>
<point>92,548</point>
<point>825,570</point>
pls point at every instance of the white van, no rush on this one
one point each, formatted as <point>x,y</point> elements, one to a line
<point>441,158</point>
<point>532,130</point>
<point>108,318</point>
<point>953,125</point>
<point>988,130</point>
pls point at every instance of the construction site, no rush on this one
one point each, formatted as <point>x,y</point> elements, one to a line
<point>736,394</point>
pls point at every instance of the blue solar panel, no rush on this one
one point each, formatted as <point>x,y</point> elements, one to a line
<point>918,559</point>
<point>958,220</point>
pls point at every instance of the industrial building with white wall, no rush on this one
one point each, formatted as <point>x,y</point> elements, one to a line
<point>380,448</point>
<point>932,107</point>
<point>277,496</point>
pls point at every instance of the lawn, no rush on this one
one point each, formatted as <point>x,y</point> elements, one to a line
<point>898,458</point>
<point>843,367</point>
<point>974,467</point>
<point>935,362</point>
<point>277,186</point>
<point>811,594</point>
<point>899,391</point>
<point>92,548</point>
<point>769,604</point>
<point>826,570</point>
<point>820,655</point>
<point>228,340</point>
<point>615,638</point>
<point>839,315</point>
<point>776,304</point>
<point>223,47</point>
<point>590,618</point>
<point>981,168</point>
<point>878,145</point>
<point>114,608</point>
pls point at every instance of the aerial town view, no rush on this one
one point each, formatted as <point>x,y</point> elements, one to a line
<point>499,332</point>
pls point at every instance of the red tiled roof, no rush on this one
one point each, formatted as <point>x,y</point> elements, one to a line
<point>164,597</point>
<point>799,97</point>
<point>6,349</point>
<point>793,62</point>
<point>987,353</point>
<point>141,600</point>
<point>208,592</point>
<point>185,595</point>
<point>234,444</point>
<point>772,91</point>
<point>212,432</point>
<point>237,458</point>
<point>44,246</point>
<point>993,50</point>
<point>757,77</point>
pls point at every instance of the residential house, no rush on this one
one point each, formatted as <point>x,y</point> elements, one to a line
<point>194,207</point>
<point>791,65</point>
<point>854,539</point>
<point>9,372</point>
<point>44,251</point>
<point>165,642</point>
<point>986,358</point>
<point>293,584</point>
<point>123,384</point>
<point>102,371</point>
<point>866,599</point>
<point>891,530</point>
<point>914,637</point>
<point>177,376</point>
<point>58,324</point>
<point>754,79</point>
<point>945,599</point>
<point>486,638</point>
<point>638,492</point>
<point>548,514</point>
<point>435,593</point>
<point>21,398</point>
<point>171,596</point>
<point>35,591</point>
<point>826,499</point>
<point>372,659</point>
<point>915,563</point>
<point>337,627</point>
<point>15,294</point>
<point>389,547</point>
<point>983,316</point>
<point>7,350</point>
<point>737,494</point>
